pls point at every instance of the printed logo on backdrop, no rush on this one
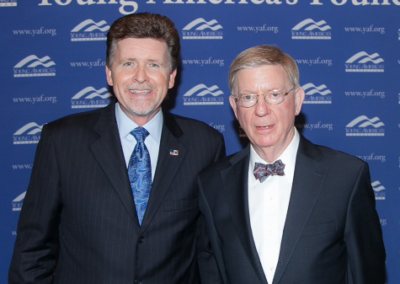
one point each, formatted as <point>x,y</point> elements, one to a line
<point>364,30</point>
<point>219,127</point>
<point>89,97</point>
<point>372,158</point>
<point>35,32</point>
<point>378,190</point>
<point>28,134</point>
<point>33,66</point>
<point>383,222</point>
<point>363,126</point>
<point>8,3</point>
<point>399,33</point>
<point>89,30</point>
<point>363,62</point>
<point>204,62</point>
<point>257,29</point>
<point>317,95</point>
<point>17,202</point>
<point>35,99</point>
<point>315,126</point>
<point>203,95</point>
<point>201,29</point>
<point>366,94</point>
<point>309,29</point>
<point>316,61</point>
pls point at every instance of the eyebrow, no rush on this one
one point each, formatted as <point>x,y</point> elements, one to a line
<point>250,91</point>
<point>148,61</point>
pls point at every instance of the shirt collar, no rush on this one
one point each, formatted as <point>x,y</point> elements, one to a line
<point>126,125</point>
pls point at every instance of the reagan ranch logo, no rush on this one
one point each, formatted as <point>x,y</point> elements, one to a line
<point>89,30</point>
<point>33,66</point>
<point>89,97</point>
<point>363,62</point>
<point>201,29</point>
<point>363,126</point>
<point>309,29</point>
<point>203,95</point>
<point>317,95</point>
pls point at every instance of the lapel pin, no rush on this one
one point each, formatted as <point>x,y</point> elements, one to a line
<point>173,152</point>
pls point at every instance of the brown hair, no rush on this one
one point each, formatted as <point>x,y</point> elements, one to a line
<point>145,25</point>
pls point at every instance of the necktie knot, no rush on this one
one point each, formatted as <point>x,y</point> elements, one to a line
<point>263,171</point>
<point>140,133</point>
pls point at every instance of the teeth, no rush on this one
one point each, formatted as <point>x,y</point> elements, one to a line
<point>141,92</point>
<point>264,127</point>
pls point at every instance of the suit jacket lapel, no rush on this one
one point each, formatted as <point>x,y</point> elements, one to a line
<point>167,166</point>
<point>108,152</point>
<point>236,191</point>
<point>307,183</point>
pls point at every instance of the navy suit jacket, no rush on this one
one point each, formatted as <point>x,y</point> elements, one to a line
<point>78,223</point>
<point>332,233</point>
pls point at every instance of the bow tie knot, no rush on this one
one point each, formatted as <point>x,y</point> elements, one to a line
<point>263,171</point>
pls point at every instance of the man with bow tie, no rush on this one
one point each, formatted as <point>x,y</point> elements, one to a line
<point>283,210</point>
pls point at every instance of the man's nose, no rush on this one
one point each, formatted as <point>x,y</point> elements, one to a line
<point>262,108</point>
<point>141,74</point>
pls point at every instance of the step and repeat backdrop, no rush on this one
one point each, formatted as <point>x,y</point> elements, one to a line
<point>53,64</point>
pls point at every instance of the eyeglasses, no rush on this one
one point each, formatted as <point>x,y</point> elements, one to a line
<point>273,97</point>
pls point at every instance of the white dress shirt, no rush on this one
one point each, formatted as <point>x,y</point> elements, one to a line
<point>152,141</point>
<point>268,205</point>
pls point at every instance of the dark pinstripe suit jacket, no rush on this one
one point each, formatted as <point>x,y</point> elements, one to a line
<point>78,223</point>
<point>332,233</point>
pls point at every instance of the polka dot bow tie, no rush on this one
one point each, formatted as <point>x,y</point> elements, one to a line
<point>263,171</point>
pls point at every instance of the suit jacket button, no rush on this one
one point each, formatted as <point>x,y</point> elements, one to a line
<point>141,239</point>
<point>138,282</point>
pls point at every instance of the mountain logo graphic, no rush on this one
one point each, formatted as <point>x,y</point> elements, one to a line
<point>317,95</point>
<point>17,202</point>
<point>378,188</point>
<point>203,95</point>
<point>309,29</point>
<point>363,126</point>
<point>363,62</point>
<point>89,30</point>
<point>33,66</point>
<point>89,97</point>
<point>28,134</point>
<point>201,29</point>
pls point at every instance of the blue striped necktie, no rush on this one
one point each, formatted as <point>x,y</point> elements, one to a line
<point>139,170</point>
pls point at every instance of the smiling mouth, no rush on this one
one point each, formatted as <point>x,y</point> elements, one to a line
<point>140,92</point>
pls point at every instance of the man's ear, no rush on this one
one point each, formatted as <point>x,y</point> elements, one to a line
<point>233,103</point>
<point>172,79</point>
<point>299,97</point>
<point>109,76</point>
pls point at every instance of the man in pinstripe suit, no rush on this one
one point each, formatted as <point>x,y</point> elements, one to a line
<point>79,223</point>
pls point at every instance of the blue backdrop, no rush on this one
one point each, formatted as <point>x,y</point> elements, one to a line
<point>348,52</point>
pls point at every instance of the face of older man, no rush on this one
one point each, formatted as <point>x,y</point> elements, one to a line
<point>270,128</point>
<point>140,75</point>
